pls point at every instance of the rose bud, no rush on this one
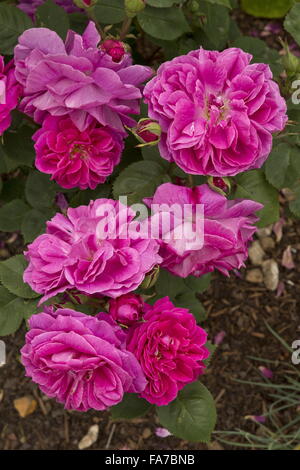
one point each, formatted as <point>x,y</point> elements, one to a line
<point>126,309</point>
<point>147,132</point>
<point>114,48</point>
<point>133,7</point>
<point>221,185</point>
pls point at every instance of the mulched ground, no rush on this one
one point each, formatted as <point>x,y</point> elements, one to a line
<point>235,306</point>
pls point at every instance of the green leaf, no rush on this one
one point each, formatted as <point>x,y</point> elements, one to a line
<point>163,23</point>
<point>84,197</point>
<point>217,24</point>
<point>260,51</point>
<point>169,285</point>
<point>13,188</point>
<point>198,284</point>
<point>139,180</point>
<point>267,8</point>
<point>110,11</point>
<point>192,416</point>
<point>39,190</point>
<point>277,165</point>
<point>295,204</point>
<point>253,185</point>
<point>292,22</point>
<point>34,224</point>
<point>130,407</point>
<point>13,22</point>
<point>225,3</point>
<point>19,146</point>
<point>11,276</point>
<point>160,3</point>
<point>52,16</point>
<point>12,311</point>
<point>212,349</point>
<point>12,214</point>
<point>189,300</point>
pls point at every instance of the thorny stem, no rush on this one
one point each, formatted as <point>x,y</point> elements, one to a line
<point>190,181</point>
<point>125,28</point>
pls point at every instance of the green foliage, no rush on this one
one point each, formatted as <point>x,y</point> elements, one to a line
<point>12,215</point>
<point>139,180</point>
<point>163,23</point>
<point>183,291</point>
<point>39,190</point>
<point>253,185</point>
<point>292,22</point>
<point>192,416</point>
<point>131,407</point>
<point>110,11</point>
<point>267,8</point>
<point>18,146</point>
<point>217,24</point>
<point>52,16</point>
<point>13,22</point>
<point>11,276</point>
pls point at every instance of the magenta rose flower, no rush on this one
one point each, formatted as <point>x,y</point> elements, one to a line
<point>48,257</point>
<point>170,349</point>
<point>30,6</point>
<point>93,249</point>
<point>77,79</point>
<point>127,309</point>
<point>216,110</point>
<point>10,92</point>
<point>76,158</point>
<point>80,360</point>
<point>216,238</point>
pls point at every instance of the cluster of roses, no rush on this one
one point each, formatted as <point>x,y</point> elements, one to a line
<point>217,114</point>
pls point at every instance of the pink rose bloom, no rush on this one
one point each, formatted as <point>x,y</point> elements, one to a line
<point>77,79</point>
<point>77,252</point>
<point>127,309</point>
<point>76,158</point>
<point>228,226</point>
<point>170,349</point>
<point>217,112</point>
<point>80,360</point>
<point>10,92</point>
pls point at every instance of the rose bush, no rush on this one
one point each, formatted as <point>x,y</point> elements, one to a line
<point>194,127</point>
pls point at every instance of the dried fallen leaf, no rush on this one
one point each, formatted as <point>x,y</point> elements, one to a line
<point>1,395</point>
<point>25,405</point>
<point>287,258</point>
<point>90,438</point>
<point>277,229</point>
<point>256,253</point>
<point>271,274</point>
<point>254,275</point>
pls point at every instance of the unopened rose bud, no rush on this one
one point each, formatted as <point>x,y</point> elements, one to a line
<point>116,49</point>
<point>85,4</point>
<point>193,6</point>
<point>126,309</point>
<point>220,185</point>
<point>133,7</point>
<point>151,278</point>
<point>291,63</point>
<point>147,132</point>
